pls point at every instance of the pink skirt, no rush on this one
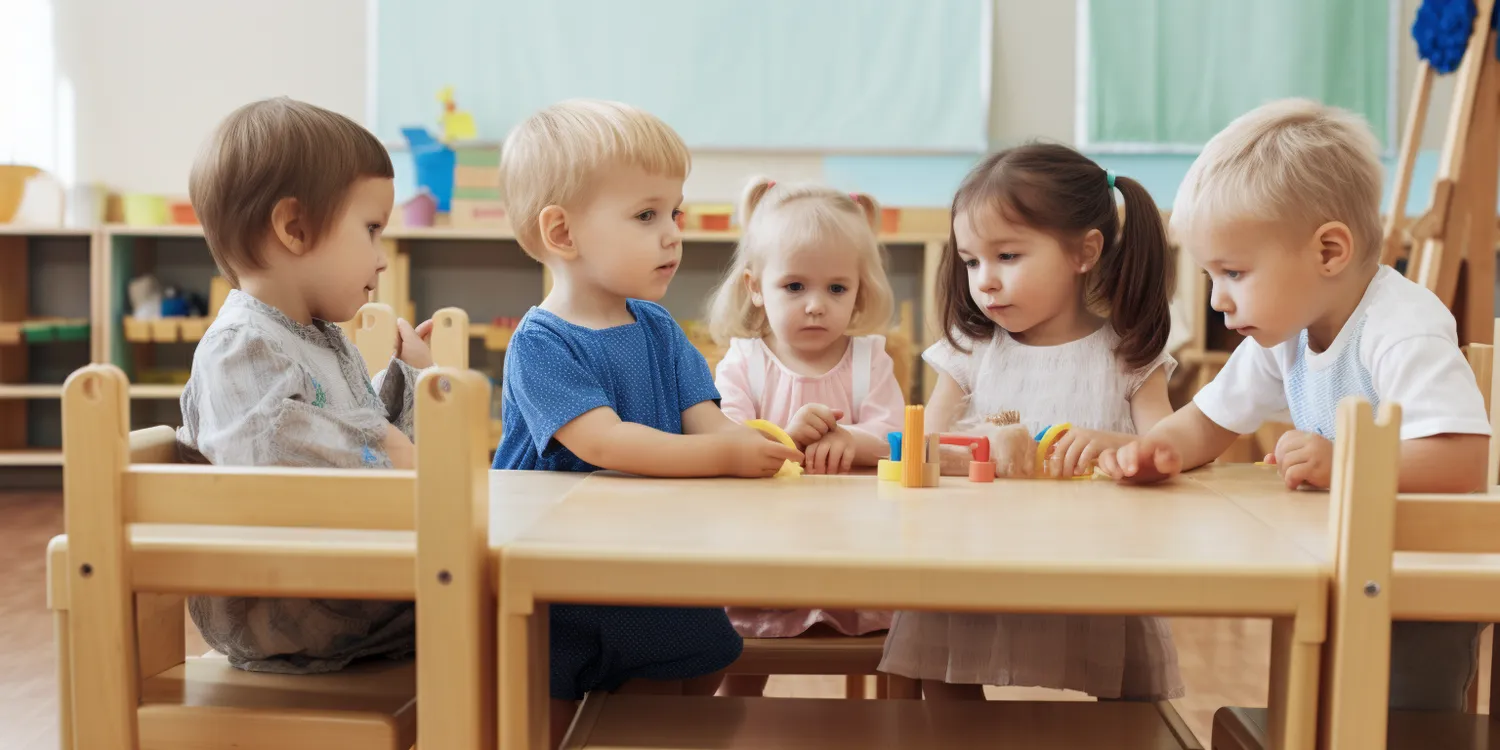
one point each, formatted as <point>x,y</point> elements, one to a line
<point>786,623</point>
<point>1131,658</point>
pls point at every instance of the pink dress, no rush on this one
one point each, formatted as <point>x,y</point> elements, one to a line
<point>754,384</point>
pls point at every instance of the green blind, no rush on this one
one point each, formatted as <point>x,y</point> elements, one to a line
<point>1175,72</point>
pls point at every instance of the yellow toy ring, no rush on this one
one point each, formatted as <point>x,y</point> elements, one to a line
<point>1045,444</point>
<point>789,468</point>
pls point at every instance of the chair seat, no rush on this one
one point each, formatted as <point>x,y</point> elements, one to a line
<point>816,654</point>
<point>1248,729</point>
<point>653,722</point>
<point>207,704</point>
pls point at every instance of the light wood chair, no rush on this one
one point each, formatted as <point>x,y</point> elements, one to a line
<point>1454,578</point>
<point>375,336</point>
<point>853,657</point>
<point>143,531</point>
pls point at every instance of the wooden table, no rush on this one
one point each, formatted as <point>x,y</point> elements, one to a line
<point>1015,546</point>
<point>1425,586</point>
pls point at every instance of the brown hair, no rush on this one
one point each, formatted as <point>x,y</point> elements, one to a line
<point>270,150</point>
<point>1055,189</point>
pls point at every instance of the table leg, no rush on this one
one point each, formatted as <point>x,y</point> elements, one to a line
<point>1295,667</point>
<point>522,674</point>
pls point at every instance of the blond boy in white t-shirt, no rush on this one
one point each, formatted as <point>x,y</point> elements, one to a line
<point>1282,211</point>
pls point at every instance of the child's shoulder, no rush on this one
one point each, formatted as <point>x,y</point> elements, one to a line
<point>1395,308</point>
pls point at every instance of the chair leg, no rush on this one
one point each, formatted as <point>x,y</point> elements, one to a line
<point>64,679</point>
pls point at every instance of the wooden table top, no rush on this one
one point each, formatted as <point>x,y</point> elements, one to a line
<point>705,540</point>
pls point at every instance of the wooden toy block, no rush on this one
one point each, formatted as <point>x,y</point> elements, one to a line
<point>932,468</point>
<point>911,437</point>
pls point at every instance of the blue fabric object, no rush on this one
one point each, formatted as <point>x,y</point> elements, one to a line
<point>1313,396</point>
<point>1441,30</point>
<point>601,647</point>
<point>647,372</point>
<point>894,439</point>
<point>434,162</point>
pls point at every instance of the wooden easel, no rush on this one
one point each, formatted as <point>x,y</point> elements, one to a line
<point>1458,232</point>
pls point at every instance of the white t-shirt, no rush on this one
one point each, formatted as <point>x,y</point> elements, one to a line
<point>1400,345</point>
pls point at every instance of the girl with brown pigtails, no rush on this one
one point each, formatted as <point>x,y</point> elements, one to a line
<point>1055,312</point>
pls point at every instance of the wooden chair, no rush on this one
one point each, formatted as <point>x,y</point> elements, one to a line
<point>854,658</point>
<point>144,531</point>
<point>1452,577</point>
<point>375,336</point>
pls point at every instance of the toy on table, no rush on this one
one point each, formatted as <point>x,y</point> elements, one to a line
<point>789,469</point>
<point>1045,438</point>
<point>981,467</point>
<point>919,468</point>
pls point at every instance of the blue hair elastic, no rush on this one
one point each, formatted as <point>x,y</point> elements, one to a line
<point>1109,174</point>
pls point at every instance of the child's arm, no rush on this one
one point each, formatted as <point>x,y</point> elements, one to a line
<point>1148,406</point>
<point>600,438</point>
<point>1450,463</point>
<point>1185,440</point>
<point>882,411</point>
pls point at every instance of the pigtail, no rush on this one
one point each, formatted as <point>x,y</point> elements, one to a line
<point>869,207</point>
<point>750,199</point>
<point>1134,278</point>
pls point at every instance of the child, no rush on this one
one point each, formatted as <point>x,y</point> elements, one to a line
<point>1055,312</point>
<point>799,310</point>
<point>292,199</point>
<point>1282,211</point>
<point>600,377</point>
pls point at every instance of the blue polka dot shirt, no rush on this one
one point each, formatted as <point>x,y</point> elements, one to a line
<point>647,372</point>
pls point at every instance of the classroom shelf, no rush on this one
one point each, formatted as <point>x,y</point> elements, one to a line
<point>140,390</point>
<point>29,391</point>
<point>24,230</point>
<point>31,458</point>
<point>165,330</point>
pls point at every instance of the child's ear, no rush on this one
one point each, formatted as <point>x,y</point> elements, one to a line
<point>290,226</point>
<point>1093,247</point>
<point>753,284</point>
<point>557,236</point>
<point>1335,244</point>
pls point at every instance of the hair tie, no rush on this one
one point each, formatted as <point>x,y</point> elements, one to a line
<point>854,197</point>
<point>1109,174</point>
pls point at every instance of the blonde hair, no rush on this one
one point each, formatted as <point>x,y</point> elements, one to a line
<point>548,158</point>
<point>1289,161</point>
<point>269,150</point>
<point>782,218</point>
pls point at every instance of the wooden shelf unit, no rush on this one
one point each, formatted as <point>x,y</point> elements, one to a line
<point>117,253</point>
<point>47,274</point>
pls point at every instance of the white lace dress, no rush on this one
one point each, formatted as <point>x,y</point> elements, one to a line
<point>1084,383</point>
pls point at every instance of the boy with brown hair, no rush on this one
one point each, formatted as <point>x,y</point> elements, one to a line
<point>292,199</point>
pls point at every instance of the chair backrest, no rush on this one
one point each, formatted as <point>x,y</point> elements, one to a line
<point>443,565</point>
<point>375,336</point>
<point>1482,361</point>
<point>1369,523</point>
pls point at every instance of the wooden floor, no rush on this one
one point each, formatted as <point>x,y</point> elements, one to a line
<point>1224,662</point>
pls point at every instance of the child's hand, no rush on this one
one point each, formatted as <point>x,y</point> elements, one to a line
<point>411,344</point>
<point>1080,449</point>
<point>399,449</point>
<point>1303,458</point>
<point>751,453</point>
<point>1141,461</point>
<point>810,423</point>
<point>833,454</point>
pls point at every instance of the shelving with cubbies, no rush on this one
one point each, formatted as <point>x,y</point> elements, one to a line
<point>483,271</point>
<point>47,299</point>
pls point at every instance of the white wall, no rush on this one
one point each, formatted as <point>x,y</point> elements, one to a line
<point>150,78</point>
